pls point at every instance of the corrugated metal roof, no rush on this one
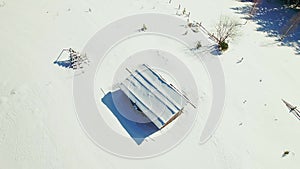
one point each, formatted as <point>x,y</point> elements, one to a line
<point>157,99</point>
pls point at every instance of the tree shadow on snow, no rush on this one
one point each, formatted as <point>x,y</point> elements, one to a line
<point>120,105</point>
<point>275,19</point>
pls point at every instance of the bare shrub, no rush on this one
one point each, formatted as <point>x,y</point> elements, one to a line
<point>227,28</point>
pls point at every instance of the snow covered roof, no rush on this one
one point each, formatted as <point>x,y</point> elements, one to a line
<point>159,101</point>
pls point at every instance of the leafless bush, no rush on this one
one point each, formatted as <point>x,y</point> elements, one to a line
<point>227,28</point>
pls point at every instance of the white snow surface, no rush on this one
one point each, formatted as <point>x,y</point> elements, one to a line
<point>38,122</point>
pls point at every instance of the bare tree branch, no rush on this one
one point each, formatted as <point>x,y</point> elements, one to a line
<point>226,28</point>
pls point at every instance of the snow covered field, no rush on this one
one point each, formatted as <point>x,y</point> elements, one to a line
<point>39,127</point>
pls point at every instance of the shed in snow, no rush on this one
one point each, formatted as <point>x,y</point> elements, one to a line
<point>153,96</point>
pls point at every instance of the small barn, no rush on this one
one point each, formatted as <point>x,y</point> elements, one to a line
<point>152,95</point>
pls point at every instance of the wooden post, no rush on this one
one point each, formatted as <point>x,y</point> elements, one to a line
<point>293,109</point>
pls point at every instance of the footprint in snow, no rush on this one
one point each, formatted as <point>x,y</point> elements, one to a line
<point>2,4</point>
<point>13,92</point>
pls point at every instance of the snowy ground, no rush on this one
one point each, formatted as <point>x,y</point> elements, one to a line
<point>38,121</point>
